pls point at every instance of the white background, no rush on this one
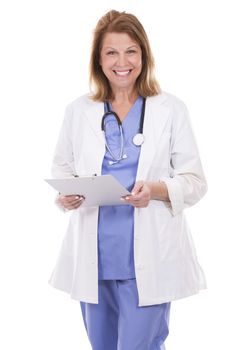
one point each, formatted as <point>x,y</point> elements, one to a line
<point>44,65</point>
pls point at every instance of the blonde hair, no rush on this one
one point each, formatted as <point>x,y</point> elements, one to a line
<point>121,22</point>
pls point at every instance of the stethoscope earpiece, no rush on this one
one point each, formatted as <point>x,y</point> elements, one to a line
<point>111,162</point>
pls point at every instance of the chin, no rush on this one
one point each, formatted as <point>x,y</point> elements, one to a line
<point>122,84</point>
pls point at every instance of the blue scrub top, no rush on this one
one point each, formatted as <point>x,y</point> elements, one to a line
<point>116,223</point>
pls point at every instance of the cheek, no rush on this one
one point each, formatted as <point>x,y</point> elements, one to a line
<point>137,62</point>
<point>106,63</point>
<point>138,68</point>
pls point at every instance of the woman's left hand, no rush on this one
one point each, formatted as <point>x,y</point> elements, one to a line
<point>140,195</point>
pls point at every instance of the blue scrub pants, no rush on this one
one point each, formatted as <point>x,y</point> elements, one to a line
<point>118,323</point>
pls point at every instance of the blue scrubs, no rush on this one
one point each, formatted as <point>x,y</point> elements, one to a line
<point>117,322</point>
<point>116,223</point>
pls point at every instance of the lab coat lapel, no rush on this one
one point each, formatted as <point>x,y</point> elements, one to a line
<point>94,116</point>
<point>156,116</point>
<point>95,142</point>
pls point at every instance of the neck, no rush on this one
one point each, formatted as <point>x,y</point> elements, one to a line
<point>124,97</point>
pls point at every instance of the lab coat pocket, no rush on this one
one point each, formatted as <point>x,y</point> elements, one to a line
<point>168,230</point>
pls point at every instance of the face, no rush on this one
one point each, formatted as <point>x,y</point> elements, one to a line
<point>121,60</point>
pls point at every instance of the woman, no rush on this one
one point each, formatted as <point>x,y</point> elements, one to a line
<point>126,263</point>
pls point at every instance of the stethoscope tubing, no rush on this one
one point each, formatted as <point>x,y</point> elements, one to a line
<point>110,112</point>
<point>138,139</point>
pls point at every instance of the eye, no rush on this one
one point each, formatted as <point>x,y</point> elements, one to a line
<point>131,51</point>
<point>111,53</point>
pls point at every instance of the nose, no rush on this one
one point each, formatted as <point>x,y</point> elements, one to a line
<point>121,60</point>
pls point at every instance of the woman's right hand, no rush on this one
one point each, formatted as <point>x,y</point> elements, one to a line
<point>70,202</point>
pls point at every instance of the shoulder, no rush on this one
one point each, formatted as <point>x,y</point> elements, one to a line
<point>83,101</point>
<point>171,107</point>
<point>76,108</point>
<point>167,100</point>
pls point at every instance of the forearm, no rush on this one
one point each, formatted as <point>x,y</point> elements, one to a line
<point>158,191</point>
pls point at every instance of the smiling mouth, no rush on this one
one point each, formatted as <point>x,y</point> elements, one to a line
<point>122,73</point>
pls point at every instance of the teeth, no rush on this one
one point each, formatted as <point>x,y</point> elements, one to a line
<point>121,72</point>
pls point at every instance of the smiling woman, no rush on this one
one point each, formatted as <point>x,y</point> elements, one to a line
<point>126,263</point>
<point>121,61</point>
<point>134,49</point>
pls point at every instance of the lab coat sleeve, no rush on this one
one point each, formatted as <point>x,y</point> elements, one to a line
<point>186,184</point>
<point>63,161</point>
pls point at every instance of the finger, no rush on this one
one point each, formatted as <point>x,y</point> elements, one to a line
<point>123,198</point>
<point>72,207</point>
<point>135,198</point>
<point>67,199</point>
<point>77,205</point>
<point>71,199</point>
<point>141,205</point>
<point>73,204</point>
<point>137,187</point>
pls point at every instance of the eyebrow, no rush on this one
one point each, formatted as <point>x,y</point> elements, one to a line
<point>112,48</point>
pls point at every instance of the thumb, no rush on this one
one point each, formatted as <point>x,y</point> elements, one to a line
<point>137,187</point>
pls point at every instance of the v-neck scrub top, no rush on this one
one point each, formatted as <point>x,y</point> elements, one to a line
<point>116,223</point>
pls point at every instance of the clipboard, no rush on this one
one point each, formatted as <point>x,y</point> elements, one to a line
<point>97,190</point>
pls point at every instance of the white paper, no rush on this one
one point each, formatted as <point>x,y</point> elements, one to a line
<point>97,190</point>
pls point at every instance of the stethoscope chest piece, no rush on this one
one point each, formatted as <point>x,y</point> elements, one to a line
<point>138,139</point>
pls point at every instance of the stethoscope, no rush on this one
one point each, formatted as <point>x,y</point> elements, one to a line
<point>138,139</point>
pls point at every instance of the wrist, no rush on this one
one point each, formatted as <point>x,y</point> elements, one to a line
<point>158,190</point>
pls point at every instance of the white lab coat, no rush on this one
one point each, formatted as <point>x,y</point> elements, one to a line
<point>166,264</point>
